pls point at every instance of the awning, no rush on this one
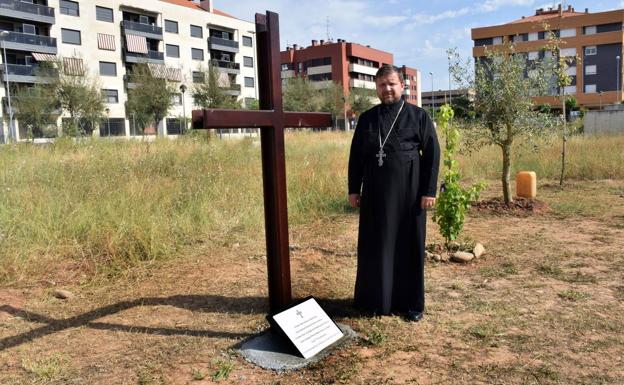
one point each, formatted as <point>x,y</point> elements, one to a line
<point>106,42</point>
<point>174,74</point>
<point>136,43</point>
<point>157,70</point>
<point>73,66</point>
<point>44,57</point>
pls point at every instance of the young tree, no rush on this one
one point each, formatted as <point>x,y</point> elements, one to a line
<point>563,79</point>
<point>151,97</point>
<point>505,84</point>
<point>34,109</point>
<point>210,93</point>
<point>79,96</point>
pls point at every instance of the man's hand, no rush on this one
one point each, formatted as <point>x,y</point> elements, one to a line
<point>354,200</point>
<point>427,202</point>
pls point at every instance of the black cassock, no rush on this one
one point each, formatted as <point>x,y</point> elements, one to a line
<point>390,272</point>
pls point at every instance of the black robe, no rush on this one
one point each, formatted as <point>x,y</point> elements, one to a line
<point>390,272</point>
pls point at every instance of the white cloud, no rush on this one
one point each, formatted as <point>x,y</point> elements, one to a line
<point>493,5</point>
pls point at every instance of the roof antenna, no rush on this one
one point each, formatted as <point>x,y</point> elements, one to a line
<point>327,26</point>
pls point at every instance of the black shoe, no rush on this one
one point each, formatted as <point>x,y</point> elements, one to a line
<point>413,316</point>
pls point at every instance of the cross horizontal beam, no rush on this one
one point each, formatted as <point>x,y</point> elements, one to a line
<point>217,118</point>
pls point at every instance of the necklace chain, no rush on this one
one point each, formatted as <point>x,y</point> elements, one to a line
<point>381,153</point>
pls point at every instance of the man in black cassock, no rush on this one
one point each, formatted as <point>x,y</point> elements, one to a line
<point>393,172</point>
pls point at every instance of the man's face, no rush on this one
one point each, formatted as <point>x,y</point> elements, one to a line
<point>389,88</point>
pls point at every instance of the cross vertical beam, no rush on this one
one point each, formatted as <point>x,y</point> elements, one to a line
<point>273,162</point>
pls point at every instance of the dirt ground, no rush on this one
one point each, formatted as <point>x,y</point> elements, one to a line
<point>545,305</point>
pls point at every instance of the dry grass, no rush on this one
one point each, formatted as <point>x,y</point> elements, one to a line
<point>545,305</point>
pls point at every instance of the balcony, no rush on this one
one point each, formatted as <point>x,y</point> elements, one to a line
<point>223,44</point>
<point>286,74</point>
<point>357,83</point>
<point>25,11</point>
<point>30,43</point>
<point>233,89</point>
<point>15,101</point>
<point>19,73</point>
<point>150,57</point>
<point>226,66</point>
<point>147,30</point>
<point>362,69</point>
<point>318,70</point>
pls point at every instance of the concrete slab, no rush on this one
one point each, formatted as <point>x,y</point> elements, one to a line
<point>274,352</point>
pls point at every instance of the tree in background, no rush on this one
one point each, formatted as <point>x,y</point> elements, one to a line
<point>463,108</point>
<point>35,109</point>
<point>210,94</point>
<point>151,97</point>
<point>361,99</point>
<point>78,95</point>
<point>504,86</point>
<point>300,95</point>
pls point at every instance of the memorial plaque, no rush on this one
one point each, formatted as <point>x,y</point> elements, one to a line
<point>308,327</point>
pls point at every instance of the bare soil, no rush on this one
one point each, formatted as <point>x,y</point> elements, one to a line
<point>544,305</point>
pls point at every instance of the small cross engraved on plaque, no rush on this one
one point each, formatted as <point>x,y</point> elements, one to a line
<point>380,155</point>
<point>299,313</point>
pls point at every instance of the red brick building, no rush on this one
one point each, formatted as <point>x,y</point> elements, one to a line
<point>351,65</point>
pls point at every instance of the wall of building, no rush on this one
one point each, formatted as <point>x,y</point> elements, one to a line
<point>604,122</point>
<point>184,13</point>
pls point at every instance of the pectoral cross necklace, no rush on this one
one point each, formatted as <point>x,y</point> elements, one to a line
<point>381,154</point>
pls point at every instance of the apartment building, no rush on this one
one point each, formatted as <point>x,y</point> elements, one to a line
<point>176,38</point>
<point>595,38</point>
<point>351,65</point>
<point>437,99</point>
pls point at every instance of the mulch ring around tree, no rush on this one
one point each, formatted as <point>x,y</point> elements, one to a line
<point>519,207</point>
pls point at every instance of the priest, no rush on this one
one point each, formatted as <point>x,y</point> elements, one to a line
<point>393,172</point>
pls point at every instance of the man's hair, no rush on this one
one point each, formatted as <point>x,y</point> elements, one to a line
<point>388,69</point>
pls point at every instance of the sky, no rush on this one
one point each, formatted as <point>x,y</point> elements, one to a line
<point>416,32</point>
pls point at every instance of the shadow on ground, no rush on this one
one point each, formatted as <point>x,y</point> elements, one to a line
<point>199,303</point>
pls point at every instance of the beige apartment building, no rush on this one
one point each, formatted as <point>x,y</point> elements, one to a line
<point>176,38</point>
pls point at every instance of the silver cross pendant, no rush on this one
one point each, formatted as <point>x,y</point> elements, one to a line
<point>380,155</point>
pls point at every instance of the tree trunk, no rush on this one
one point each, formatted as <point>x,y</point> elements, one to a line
<point>565,139</point>
<point>506,148</point>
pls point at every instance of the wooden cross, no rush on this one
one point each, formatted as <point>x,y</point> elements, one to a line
<point>271,119</point>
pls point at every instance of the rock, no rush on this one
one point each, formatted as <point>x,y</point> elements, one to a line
<point>454,294</point>
<point>462,257</point>
<point>453,245</point>
<point>478,250</point>
<point>437,258</point>
<point>62,294</point>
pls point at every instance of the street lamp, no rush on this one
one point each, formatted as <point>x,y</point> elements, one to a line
<point>3,36</point>
<point>617,77</point>
<point>183,90</point>
<point>449,73</point>
<point>107,121</point>
<point>432,105</point>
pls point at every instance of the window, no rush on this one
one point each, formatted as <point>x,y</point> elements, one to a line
<point>29,29</point>
<point>171,26</point>
<point>70,36</point>
<point>197,31</point>
<point>571,71</point>
<point>590,88</point>
<point>247,61</point>
<point>247,41</point>
<point>176,99</point>
<point>110,96</point>
<point>497,40</point>
<point>174,126</point>
<point>569,90</point>
<point>113,127</point>
<point>591,50</point>
<point>533,36</point>
<point>104,14</point>
<point>197,54</point>
<point>69,8</point>
<point>590,30</point>
<point>198,77</point>
<point>590,70</point>
<point>568,32</point>
<point>249,82</point>
<point>108,68</point>
<point>172,50</point>
<point>533,55</point>
<point>567,52</point>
